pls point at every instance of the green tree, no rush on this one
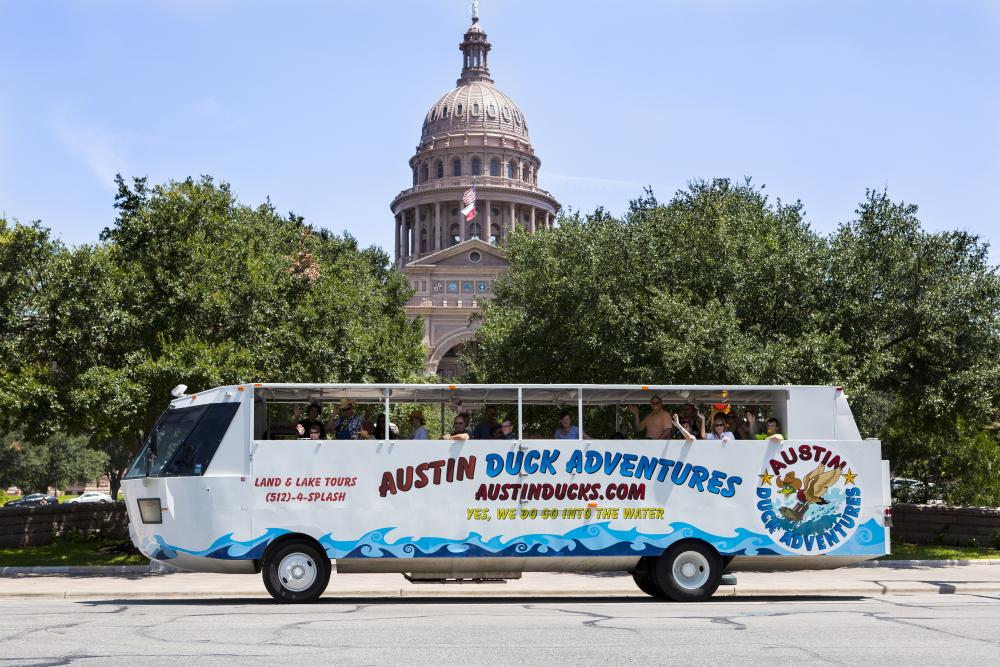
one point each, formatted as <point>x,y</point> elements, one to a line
<point>33,465</point>
<point>191,286</point>
<point>721,286</point>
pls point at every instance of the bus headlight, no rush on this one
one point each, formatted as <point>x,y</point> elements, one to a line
<point>149,510</point>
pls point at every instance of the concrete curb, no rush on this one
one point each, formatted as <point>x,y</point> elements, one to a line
<point>927,563</point>
<point>74,570</point>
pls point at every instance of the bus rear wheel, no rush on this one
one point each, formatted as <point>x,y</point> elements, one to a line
<point>296,571</point>
<point>688,572</point>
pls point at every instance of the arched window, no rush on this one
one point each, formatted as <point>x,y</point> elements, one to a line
<point>423,172</point>
<point>510,170</point>
<point>456,167</point>
<point>524,173</point>
<point>423,241</point>
<point>475,230</point>
<point>453,232</point>
<point>459,110</point>
<point>414,175</point>
<point>439,169</point>
<point>475,166</point>
<point>494,167</point>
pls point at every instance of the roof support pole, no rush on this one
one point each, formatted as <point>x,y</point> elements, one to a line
<point>520,414</point>
<point>386,434</point>
<point>579,411</point>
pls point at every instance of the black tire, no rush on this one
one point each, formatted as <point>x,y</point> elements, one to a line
<point>688,571</point>
<point>647,584</point>
<point>296,571</point>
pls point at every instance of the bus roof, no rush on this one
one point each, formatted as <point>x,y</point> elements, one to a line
<point>603,394</point>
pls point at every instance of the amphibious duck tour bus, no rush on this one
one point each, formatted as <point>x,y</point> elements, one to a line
<point>224,483</point>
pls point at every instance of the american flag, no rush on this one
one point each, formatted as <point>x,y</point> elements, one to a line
<point>469,199</point>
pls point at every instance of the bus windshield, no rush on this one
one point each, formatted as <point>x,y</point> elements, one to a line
<point>183,441</point>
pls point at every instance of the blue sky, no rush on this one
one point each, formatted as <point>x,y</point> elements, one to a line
<point>319,104</point>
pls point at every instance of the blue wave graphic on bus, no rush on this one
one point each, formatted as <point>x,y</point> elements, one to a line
<point>867,539</point>
<point>225,547</point>
<point>593,540</point>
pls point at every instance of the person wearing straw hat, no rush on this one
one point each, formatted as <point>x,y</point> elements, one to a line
<point>417,422</point>
<point>347,425</point>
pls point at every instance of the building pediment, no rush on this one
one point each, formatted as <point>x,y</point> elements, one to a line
<point>473,253</point>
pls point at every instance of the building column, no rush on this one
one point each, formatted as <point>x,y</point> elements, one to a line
<point>489,221</point>
<point>513,218</point>
<point>395,219</point>
<point>548,220</point>
<point>437,226</point>
<point>532,223</point>
<point>418,228</point>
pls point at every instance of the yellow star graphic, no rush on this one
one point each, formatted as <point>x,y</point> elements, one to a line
<point>849,477</point>
<point>765,478</point>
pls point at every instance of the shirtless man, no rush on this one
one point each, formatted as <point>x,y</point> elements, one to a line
<point>657,424</point>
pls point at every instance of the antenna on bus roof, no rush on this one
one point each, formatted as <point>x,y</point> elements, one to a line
<point>178,391</point>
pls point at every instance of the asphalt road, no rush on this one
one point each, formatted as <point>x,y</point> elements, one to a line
<point>887,630</point>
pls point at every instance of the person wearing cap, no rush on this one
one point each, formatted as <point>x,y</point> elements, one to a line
<point>417,422</point>
<point>347,425</point>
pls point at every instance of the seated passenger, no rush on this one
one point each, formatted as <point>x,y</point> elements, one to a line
<point>656,424</point>
<point>507,430</point>
<point>682,428</point>
<point>719,429</point>
<point>315,432</point>
<point>347,425</point>
<point>378,432</point>
<point>417,424</point>
<point>313,418</point>
<point>460,428</point>
<point>773,433</point>
<point>743,427</point>
<point>484,430</point>
<point>566,430</point>
<point>732,422</point>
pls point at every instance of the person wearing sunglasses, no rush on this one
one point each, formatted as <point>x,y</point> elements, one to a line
<point>720,431</point>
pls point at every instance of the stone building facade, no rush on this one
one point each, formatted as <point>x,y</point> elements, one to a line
<point>472,134</point>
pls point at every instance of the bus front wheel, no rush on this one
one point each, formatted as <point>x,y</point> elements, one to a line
<point>296,571</point>
<point>688,571</point>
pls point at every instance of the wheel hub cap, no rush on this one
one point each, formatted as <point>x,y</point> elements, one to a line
<point>690,570</point>
<point>297,572</point>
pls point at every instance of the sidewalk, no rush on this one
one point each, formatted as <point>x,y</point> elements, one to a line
<point>132,585</point>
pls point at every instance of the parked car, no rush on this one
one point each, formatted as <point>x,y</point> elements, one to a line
<point>91,497</point>
<point>33,500</point>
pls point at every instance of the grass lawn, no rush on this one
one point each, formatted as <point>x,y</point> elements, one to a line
<point>903,551</point>
<point>69,553</point>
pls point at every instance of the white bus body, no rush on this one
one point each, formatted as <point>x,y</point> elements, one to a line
<point>674,513</point>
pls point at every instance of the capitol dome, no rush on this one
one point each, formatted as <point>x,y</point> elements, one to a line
<point>474,106</point>
<point>475,185</point>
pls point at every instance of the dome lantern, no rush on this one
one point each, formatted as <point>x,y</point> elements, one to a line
<point>475,49</point>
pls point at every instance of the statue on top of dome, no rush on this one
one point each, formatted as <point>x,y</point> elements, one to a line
<point>474,10</point>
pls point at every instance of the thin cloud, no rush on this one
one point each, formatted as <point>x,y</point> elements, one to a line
<point>96,148</point>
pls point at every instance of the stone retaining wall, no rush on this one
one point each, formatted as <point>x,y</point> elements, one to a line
<point>935,524</point>
<point>35,526</point>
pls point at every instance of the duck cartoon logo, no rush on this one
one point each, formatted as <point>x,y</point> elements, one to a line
<point>809,499</point>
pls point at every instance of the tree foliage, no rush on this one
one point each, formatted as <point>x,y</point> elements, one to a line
<point>722,286</point>
<point>191,286</point>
